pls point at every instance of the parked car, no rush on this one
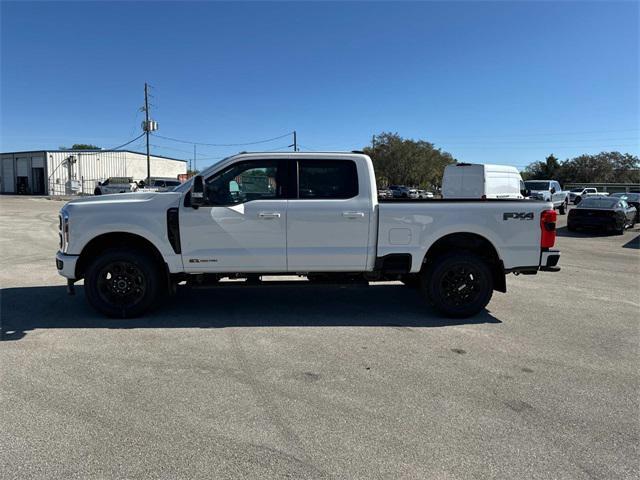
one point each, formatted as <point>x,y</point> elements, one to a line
<point>577,194</point>
<point>158,185</point>
<point>399,191</point>
<point>413,193</point>
<point>424,194</point>
<point>385,193</point>
<point>608,213</point>
<point>471,180</point>
<point>116,185</point>
<point>134,248</point>
<point>548,191</point>
<point>632,199</point>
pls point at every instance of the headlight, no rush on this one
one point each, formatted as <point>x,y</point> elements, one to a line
<point>64,230</point>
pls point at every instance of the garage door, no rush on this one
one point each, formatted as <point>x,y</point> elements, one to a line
<point>8,175</point>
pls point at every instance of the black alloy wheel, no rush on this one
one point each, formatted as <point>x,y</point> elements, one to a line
<point>458,284</point>
<point>123,282</point>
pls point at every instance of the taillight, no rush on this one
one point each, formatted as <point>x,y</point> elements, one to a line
<point>548,227</point>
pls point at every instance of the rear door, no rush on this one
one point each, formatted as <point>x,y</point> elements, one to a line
<point>328,217</point>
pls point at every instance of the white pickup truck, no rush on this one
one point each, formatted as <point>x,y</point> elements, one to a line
<point>313,214</point>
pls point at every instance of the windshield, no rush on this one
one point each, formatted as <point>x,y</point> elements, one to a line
<point>599,202</point>
<point>629,197</point>
<point>577,190</point>
<point>531,185</point>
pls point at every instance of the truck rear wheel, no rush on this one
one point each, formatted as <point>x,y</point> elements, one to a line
<point>122,283</point>
<point>458,285</point>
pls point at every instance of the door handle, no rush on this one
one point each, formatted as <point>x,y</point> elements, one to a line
<point>268,215</point>
<point>353,214</point>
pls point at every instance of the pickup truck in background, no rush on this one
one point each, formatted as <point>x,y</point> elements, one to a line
<point>548,191</point>
<point>298,214</point>
<point>116,185</point>
<point>576,195</point>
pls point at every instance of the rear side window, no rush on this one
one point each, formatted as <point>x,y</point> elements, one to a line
<point>326,179</point>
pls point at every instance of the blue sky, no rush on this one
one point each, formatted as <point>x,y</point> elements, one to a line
<point>504,82</point>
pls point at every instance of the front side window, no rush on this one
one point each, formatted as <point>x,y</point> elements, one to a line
<point>327,179</point>
<point>243,182</point>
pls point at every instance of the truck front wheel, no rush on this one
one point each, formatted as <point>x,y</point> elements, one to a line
<point>458,285</point>
<point>122,283</point>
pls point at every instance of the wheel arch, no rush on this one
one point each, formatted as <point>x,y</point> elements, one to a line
<point>116,239</point>
<point>469,242</point>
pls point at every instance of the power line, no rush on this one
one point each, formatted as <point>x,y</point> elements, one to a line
<point>103,150</point>
<point>171,148</point>
<point>224,144</point>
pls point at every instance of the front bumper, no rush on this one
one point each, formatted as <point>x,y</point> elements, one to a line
<point>66,265</point>
<point>549,261</point>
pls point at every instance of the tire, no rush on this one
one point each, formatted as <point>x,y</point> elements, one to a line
<point>445,284</point>
<point>564,207</point>
<point>123,283</point>
<point>97,191</point>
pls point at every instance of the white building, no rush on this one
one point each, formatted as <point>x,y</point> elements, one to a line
<point>66,172</point>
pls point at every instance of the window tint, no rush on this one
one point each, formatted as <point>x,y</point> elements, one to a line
<point>327,179</point>
<point>243,182</point>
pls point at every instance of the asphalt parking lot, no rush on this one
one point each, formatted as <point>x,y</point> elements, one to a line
<point>320,382</point>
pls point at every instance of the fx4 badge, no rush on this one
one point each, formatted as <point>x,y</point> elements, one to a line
<point>518,215</point>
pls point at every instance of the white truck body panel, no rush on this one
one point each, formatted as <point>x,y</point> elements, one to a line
<point>414,227</point>
<point>475,180</point>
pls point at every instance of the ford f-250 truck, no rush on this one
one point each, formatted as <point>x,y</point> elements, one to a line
<point>314,214</point>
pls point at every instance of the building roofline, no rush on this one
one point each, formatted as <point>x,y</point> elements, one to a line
<point>57,150</point>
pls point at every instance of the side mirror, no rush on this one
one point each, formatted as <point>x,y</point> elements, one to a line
<point>553,190</point>
<point>99,184</point>
<point>197,192</point>
<point>525,193</point>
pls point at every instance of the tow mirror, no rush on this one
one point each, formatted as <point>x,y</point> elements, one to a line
<point>197,192</point>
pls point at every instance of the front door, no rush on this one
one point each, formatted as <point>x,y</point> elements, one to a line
<point>242,226</point>
<point>328,221</point>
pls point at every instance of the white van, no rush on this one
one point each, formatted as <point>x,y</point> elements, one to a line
<point>476,180</point>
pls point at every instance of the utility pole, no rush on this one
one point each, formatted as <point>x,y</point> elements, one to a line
<point>194,158</point>
<point>146,129</point>
<point>295,141</point>
<point>148,126</point>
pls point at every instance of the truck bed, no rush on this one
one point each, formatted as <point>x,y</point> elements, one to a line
<point>413,225</point>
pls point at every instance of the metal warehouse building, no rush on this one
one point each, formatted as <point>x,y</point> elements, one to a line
<point>68,172</point>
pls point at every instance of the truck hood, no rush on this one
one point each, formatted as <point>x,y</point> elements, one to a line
<point>125,201</point>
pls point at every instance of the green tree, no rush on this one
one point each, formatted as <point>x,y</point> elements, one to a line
<point>81,146</point>
<point>606,167</point>
<point>549,169</point>
<point>400,161</point>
